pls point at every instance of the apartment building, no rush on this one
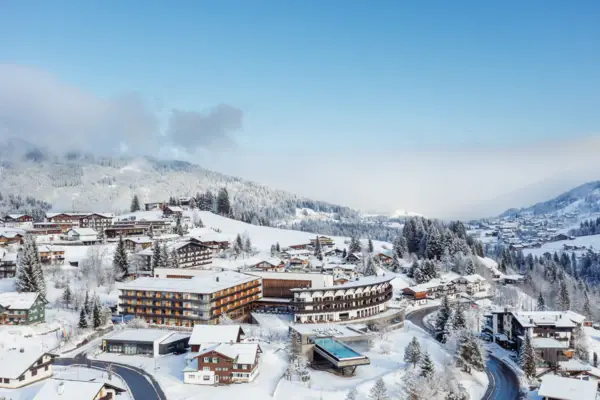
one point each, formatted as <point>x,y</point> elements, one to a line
<point>202,299</point>
<point>190,254</point>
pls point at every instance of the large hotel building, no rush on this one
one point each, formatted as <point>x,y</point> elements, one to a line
<point>200,299</point>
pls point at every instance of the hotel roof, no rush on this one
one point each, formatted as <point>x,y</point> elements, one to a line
<point>364,281</point>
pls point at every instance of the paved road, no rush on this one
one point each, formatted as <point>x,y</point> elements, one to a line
<point>504,384</point>
<point>141,384</point>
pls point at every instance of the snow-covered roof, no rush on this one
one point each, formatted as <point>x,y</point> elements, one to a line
<point>140,239</point>
<point>241,353</point>
<point>271,260</point>
<point>58,389</point>
<point>328,330</point>
<point>175,208</point>
<point>574,365</point>
<point>176,336</point>
<point>18,301</point>
<point>141,335</point>
<point>296,253</point>
<point>564,319</point>
<point>317,280</point>
<point>10,234</point>
<point>209,334</point>
<point>83,231</point>
<point>13,363</point>
<point>364,281</point>
<point>558,387</point>
<point>171,246</point>
<point>345,267</point>
<point>473,278</point>
<point>16,216</point>
<point>205,284</point>
<point>48,249</point>
<point>548,343</point>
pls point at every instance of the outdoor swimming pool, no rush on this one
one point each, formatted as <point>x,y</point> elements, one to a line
<point>337,349</point>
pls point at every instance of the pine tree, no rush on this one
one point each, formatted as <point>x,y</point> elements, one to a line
<point>400,247</point>
<point>370,268</point>
<point>30,276</point>
<point>67,296</point>
<point>351,395</point>
<point>164,257</point>
<point>38,271</point>
<point>87,306</point>
<point>278,247</point>
<point>135,204</point>
<point>587,309</point>
<point>412,352</point>
<point>174,259</point>
<point>378,391</point>
<point>155,262</point>
<point>120,262</point>
<point>344,253</point>
<point>470,353</point>
<point>564,300</point>
<point>150,232</point>
<point>179,230</point>
<point>595,360</point>
<point>82,320</point>
<point>427,366</point>
<point>192,203</point>
<point>541,303</point>
<point>370,246</point>
<point>469,266</point>
<point>96,319</point>
<point>354,246</point>
<point>248,246</point>
<point>527,358</point>
<point>442,321</point>
<point>223,206</point>
<point>238,245</point>
<point>318,252</point>
<point>459,321</point>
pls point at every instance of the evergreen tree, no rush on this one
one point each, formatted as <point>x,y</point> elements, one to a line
<point>587,310</point>
<point>179,229</point>
<point>470,353</point>
<point>318,252</point>
<point>412,352</point>
<point>38,272</point>
<point>564,300</point>
<point>155,262</point>
<point>459,321</point>
<point>427,366</point>
<point>164,256</point>
<point>174,259</point>
<point>192,203</point>
<point>469,266</point>
<point>527,358</point>
<point>238,245</point>
<point>135,204</point>
<point>378,391</point>
<point>278,247</point>
<point>248,246</point>
<point>595,360</point>
<point>223,206</point>
<point>541,303</point>
<point>370,269</point>
<point>344,253</point>
<point>30,277</point>
<point>351,395</point>
<point>370,246</point>
<point>87,306</point>
<point>273,250</point>
<point>82,320</point>
<point>354,246</point>
<point>96,319</point>
<point>67,296</point>
<point>120,262</point>
<point>150,232</point>
<point>442,321</point>
<point>400,249</point>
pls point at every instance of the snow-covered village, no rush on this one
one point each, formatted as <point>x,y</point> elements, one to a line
<point>299,200</point>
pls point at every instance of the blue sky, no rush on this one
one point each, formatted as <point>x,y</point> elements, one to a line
<point>350,74</point>
<point>402,92</point>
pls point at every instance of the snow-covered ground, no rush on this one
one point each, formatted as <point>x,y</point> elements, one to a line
<point>78,373</point>
<point>590,242</point>
<point>386,355</point>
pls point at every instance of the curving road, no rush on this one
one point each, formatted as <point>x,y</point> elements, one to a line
<point>141,384</point>
<point>503,382</point>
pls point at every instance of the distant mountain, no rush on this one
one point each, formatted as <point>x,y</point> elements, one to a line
<point>83,182</point>
<point>581,201</point>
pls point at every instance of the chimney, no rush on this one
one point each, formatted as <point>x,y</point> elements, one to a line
<point>60,389</point>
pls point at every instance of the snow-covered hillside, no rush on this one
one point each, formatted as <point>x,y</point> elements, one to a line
<point>262,236</point>
<point>78,182</point>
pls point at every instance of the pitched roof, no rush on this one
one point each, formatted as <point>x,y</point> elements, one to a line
<point>18,301</point>
<point>84,231</point>
<point>364,281</point>
<point>565,319</point>
<point>175,208</point>
<point>240,353</point>
<point>557,387</point>
<point>59,389</point>
<point>206,334</point>
<point>13,363</point>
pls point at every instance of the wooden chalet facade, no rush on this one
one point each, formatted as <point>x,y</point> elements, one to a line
<point>8,238</point>
<point>8,266</point>
<point>191,254</point>
<point>22,221</point>
<point>223,364</point>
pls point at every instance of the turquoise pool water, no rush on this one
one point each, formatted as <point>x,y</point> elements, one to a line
<point>337,349</point>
